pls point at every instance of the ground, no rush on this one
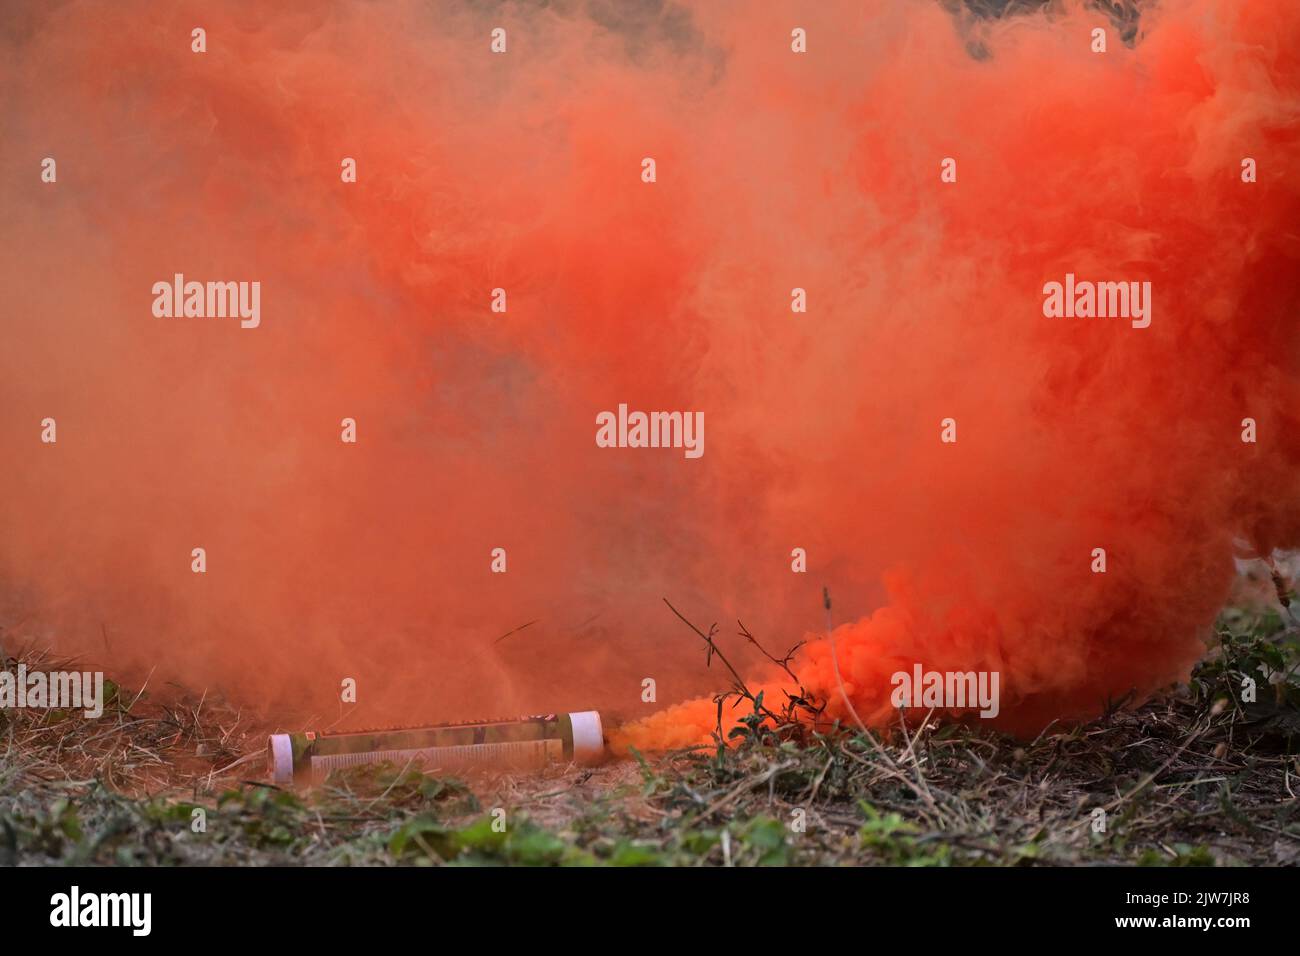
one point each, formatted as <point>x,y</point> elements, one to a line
<point>1196,776</point>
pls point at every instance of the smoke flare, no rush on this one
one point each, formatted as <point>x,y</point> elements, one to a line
<point>776,171</point>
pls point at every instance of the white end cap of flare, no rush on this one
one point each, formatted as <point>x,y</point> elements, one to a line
<point>588,736</point>
<point>279,752</point>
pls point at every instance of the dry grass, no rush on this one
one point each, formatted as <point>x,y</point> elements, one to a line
<point>1196,776</point>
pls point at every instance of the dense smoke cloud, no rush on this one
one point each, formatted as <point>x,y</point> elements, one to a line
<point>522,171</point>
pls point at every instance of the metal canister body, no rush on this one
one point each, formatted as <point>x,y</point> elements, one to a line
<point>518,743</point>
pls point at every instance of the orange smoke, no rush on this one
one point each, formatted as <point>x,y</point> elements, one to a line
<point>1075,434</point>
<point>521,171</point>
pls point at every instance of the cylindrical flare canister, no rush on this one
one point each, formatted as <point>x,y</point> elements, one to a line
<point>519,743</point>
